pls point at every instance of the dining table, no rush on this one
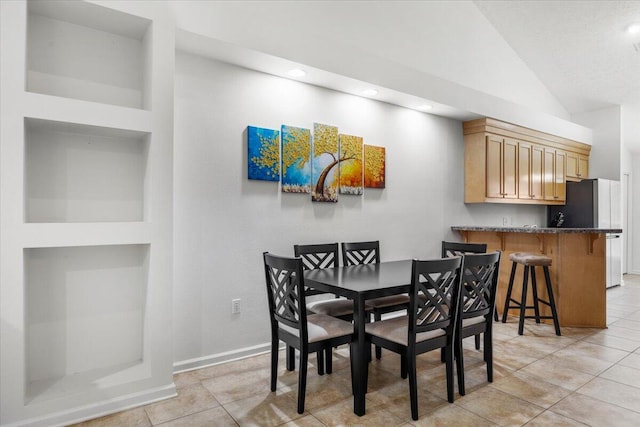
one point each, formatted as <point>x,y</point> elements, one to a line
<point>360,283</point>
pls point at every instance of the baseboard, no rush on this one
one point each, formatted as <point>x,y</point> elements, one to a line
<point>215,359</point>
<point>83,413</point>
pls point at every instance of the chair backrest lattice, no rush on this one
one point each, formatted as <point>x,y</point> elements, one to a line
<point>479,284</point>
<point>450,249</point>
<point>435,288</point>
<point>284,284</point>
<point>317,256</point>
<point>358,253</point>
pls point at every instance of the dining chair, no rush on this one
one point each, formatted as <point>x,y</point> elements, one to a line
<point>477,305</point>
<point>356,253</point>
<point>322,256</point>
<point>313,333</point>
<point>430,323</point>
<point>459,249</point>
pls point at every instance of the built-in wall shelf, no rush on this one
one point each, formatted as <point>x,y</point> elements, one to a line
<point>78,173</point>
<point>84,51</point>
<point>84,315</point>
<point>86,217</point>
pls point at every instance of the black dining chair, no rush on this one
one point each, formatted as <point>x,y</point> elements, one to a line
<point>356,253</point>
<point>430,323</point>
<point>314,333</point>
<point>459,249</point>
<point>477,305</point>
<point>322,256</point>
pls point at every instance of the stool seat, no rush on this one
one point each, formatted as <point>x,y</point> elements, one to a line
<point>526,258</point>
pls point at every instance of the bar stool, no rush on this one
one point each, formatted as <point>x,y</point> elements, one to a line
<point>530,261</point>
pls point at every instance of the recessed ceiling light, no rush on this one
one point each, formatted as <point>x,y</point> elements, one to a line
<point>297,72</point>
<point>424,107</point>
<point>370,92</point>
<point>633,28</point>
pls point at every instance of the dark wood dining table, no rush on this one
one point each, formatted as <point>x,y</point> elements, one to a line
<point>360,283</point>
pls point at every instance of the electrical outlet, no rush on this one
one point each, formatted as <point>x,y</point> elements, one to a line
<point>505,220</point>
<point>235,306</point>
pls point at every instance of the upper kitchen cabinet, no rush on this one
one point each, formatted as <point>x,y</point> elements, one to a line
<point>505,163</point>
<point>577,167</point>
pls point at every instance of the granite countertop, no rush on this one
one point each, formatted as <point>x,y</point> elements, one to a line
<point>539,230</point>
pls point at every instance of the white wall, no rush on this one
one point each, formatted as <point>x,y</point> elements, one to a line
<point>445,52</point>
<point>607,136</point>
<point>223,221</point>
<point>634,260</point>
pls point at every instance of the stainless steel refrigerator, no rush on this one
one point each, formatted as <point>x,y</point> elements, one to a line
<point>595,203</point>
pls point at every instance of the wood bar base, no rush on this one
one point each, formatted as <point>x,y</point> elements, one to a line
<point>577,272</point>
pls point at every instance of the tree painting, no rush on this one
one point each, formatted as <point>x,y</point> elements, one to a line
<point>374,166</point>
<point>350,164</point>
<point>263,153</point>
<point>324,173</point>
<point>296,152</point>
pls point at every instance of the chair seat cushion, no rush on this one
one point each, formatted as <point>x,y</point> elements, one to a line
<point>472,321</point>
<point>388,301</point>
<point>321,327</point>
<point>530,259</point>
<point>334,307</point>
<point>397,330</point>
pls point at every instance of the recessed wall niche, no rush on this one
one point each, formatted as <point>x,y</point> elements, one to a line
<point>84,51</point>
<point>84,317</point>
<point>81,173</point>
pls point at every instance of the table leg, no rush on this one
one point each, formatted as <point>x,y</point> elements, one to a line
<point>361,368</point>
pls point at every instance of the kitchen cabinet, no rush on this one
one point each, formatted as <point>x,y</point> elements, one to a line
<point>530,171</point>
<point>502,168</point>
<point>506,163</point>
<point>555,187</point>
<point>577,167</point>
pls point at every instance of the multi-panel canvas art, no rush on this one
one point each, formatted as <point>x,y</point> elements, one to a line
<point>263,153</point>
<point>296,165</point>
<point>324,163</point>
<point>374,166</point>
<point>350,164</point>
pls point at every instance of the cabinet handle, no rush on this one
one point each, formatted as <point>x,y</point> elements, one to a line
<point>532,195</point>
<point>556,197</point>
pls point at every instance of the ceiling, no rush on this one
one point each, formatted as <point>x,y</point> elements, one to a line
<point>578,49</point>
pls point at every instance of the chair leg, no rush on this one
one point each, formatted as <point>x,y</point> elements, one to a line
<point>302,380</point>
<point>274,362</point>
<point>488,353</point>
<point>442,358</point>
<point>291,358</point>
<point>449,367</point>
<point>534,290</point>
<point>477,339</point>
<point>328,360</point>
<point>552,301</point>
<point>507,300</point>
<point>378,317</point>
<point>523,301</point>
<point>403,366</point>
<point>320,357</point>
<point>459,357</point>
<point>413,383</point>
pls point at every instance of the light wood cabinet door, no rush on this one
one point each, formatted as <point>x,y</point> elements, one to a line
<point>510,169</point>
<point>577,166</point>
<point>530,167</point>
<point>554,170</point>
<point>502,168</point>
<point>494,167</point>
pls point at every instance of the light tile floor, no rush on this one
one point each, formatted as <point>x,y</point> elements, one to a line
<point>586,377</point>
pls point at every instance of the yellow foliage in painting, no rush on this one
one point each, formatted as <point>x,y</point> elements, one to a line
<point>351,166</point>
<point>296,146</point>
<point>269,155</point>
<point>325,139</point>
<point>374,166</point>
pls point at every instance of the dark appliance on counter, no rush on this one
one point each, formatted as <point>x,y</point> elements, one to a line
<point>594,203</point>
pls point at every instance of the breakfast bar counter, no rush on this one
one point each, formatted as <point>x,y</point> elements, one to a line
<point>577,273</point>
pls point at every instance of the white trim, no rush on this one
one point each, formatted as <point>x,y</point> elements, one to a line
<point>83,413</point>
<point>216,359</point>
